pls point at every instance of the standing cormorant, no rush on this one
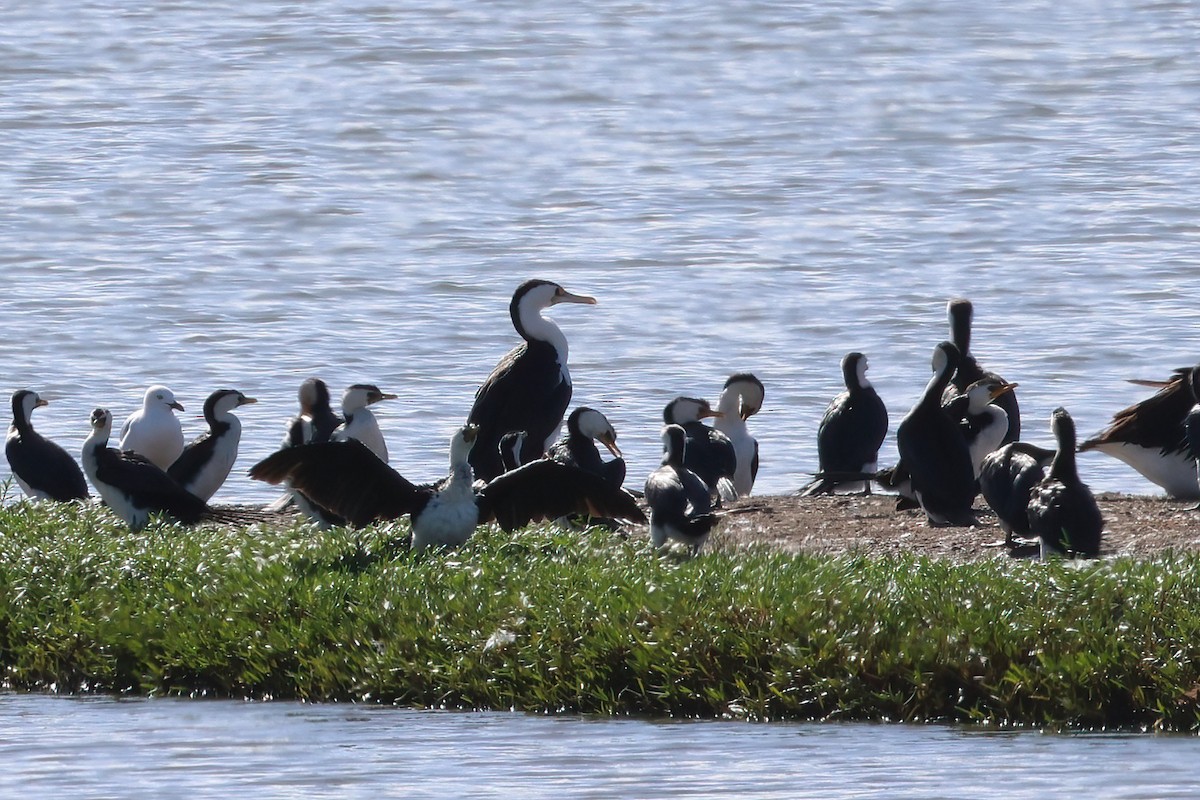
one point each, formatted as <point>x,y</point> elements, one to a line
<point>851,433</point>
<point>132,485</point>
<point>933,449</point>
<point>1150,436</point>
<point>679,500</point>
<point>709,453</point>
<point>205,463</point>
<point>530,388</point>
<point>1006,480</point>
<point>1062,511</point>
<point>154,430</point>
<point>960,312</point>
<point>741,398</point>
<point>346,479</point>
<point>42,469</point>
<point>360,421</point>
<point>316,421</point>
<point>984,423</point>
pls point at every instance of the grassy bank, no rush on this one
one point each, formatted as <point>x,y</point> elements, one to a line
<point>551,621</point>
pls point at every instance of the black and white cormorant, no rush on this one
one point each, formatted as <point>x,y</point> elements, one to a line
<point>960,312</point>
<point>1062,511</point>
<point>585,427</point>
<point>348,480</point>
<point>316,421</point>
<point>709,453</point>
<point>741,398</point>
<point>934,451</point>
<point>679,500</point>
<point>360,421</point>
<point>850,434</point>
<point>1191,423</point>
<point>205,463</point>
<point>42,469</point>
<point>983,421</point>
<point>1006,480</point>
<point>132,485</point>
<point>530,388</point>
<point>154,430</point>
<point>1151,436</point>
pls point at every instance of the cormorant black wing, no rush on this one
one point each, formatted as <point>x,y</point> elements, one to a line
<point>345,478</point>
<point>147,485</point>
<point>46,467</point>
<point>546,489</point>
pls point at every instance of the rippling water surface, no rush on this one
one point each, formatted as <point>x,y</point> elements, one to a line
<point>244,194</point>
<point>105,748</point>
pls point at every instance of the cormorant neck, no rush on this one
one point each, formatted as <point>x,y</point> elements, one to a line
<point>960,325</point>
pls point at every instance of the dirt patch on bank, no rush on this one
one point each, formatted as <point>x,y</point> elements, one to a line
<point>871,525</point>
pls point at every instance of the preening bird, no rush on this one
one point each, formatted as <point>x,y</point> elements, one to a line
<point>1007,477</point>
<point>679,500</point>
<point>360,421</point>
<point>741,398</point>
<point>132,485</point>
<point>934,451</point>
<point>154,430</point>
<point>983,422</point>
<point>850,434</point>
<point>1150,436</point>
<point>1062,511</point>
<point>41,468</point>
<point>709,453</point>
<point>585,427</point>
<point>346,479</point>
<point>530,389</point>
<point>316,421</point>
<point>960,313</point>
<point>205,463</point>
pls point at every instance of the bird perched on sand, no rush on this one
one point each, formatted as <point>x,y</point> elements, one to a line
<point>585,427</point>
<point>741,398</point>
<point>850,434</point>
<point>708,452</point>
<point>1062,511</point>
<point>154,430</point>
<point>933,449</point>
<point>983,421</point>
<point>316,421</point>
<point>530,389</point>
<point>1007,477</point>
<point>679,500</point>
<point>205,463</point>
<point>360,422</point>
<point>960,313</point>
<point>346,479</point>
<point>41,468</point>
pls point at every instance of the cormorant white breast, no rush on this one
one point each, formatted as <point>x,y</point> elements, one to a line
<point>360,421</point>
<point>205,463</point>
<point>530,388</point>
<point>741,398</point>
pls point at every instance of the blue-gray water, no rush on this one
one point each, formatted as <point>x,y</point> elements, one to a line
<point>100,748</point>
<point>211,194</point>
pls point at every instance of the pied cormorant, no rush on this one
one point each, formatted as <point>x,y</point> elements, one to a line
<point>679,500</point>
<point>933,449</point>
<point>1062,511</point>
<point>42,469</point>
<point>1006,480</point>
<point>741,398</point>
<point>585,427</point>
<point>983,421</point>
<point>850,434</point>
<point>530,388</point>
<point>205,463</point>
<point>360,421</point>
<point>959,312</point>
<point>709,453</point>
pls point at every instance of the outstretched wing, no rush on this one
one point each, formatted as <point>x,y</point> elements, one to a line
<point>345,478</point>
<point>546,489</point>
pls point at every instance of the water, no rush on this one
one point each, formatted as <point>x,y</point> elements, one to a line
<point>106,748</point>
<point>244,194</point>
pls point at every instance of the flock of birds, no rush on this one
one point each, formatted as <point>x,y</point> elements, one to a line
<point>509,466</point>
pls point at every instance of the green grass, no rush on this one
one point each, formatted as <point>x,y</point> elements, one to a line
<point>551,621</point>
